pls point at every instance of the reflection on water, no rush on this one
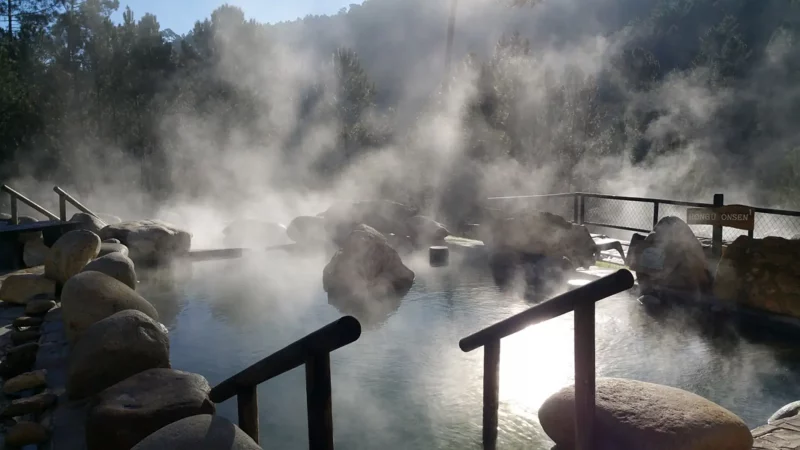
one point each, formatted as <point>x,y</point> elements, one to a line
<point>405,384</point>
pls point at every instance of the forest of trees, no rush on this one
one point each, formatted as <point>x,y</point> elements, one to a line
<point>712,77</point>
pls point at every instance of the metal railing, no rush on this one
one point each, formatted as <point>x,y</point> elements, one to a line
<point>63,198</point>
<point>313,351</point>
<point>580,300</point>
<point>17,197</point>
<point>641,214</point>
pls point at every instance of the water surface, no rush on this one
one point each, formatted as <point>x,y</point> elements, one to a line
<point>405,384</point>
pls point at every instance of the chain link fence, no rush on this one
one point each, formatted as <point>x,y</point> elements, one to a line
<point>641,214</point>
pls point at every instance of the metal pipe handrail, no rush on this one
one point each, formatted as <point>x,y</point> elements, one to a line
<point>17,196</point>
<point>313,351</point>
<point>581,301</point>
<point>64,197</point>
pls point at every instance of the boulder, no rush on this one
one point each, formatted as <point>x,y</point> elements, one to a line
<point>150,240</point>
<point>109,218</point>
<point>88,222</point>
<point>426,231</point>
<point>26,321</point>
<point>89,297</point>
<point>761,273</point>
<point>20,288</point>
<point>29,405</point>
<point>26,433</point>
<point>25,381</point>
<point>790,410</point>
<point>110,247</point>
<point>19,360</point>
<point>126,413</point>
<point>366,267</point>
<point>633,415</point>
<point>204,432</point>
<point>307,230</point>
<point>115,265</point>
<point>70,253</point>
<point>39,305</point>
<point>670,259</point>
<point>19,337</point>
<point>541,233</point>
<point>254,234</point>
<point>114,349</point>
<point>382,215</point>
<point>34,252</point>
<point>111,241</point>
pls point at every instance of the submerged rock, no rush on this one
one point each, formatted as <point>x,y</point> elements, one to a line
<point>114,349</point>
<point>70,253</point>
<point>153,241</point>
<point>634,415</point>
<point>25,381</point>
<point>366,267</point>
<point>115,265</point>
<point>89,297</point>
<point>204,432</point>
<point>126,413</point>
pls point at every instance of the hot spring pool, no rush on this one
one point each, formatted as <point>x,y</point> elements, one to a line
<point>405,384</point>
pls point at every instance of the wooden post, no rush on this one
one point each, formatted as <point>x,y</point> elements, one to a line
<point>247,407</point>
<point>491,393</point>
<point>716,234</point>
<point>14,211</point>
<point>62,208</point>
<point>576,208</point>
<point>584,375</point>
<point>318,402</point>
<point>582,201</point>
<point>655,214</point>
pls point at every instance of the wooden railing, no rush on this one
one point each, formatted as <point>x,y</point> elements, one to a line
<point>17,197</point>
<point>580,300</point>
<point>313,351</point>
<point>63,198</point>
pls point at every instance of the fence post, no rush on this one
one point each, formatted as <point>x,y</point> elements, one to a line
<point>491,393</point>
<point>318,402</point>
<point>14,211</point>
<point>575,207</point>
<point>582,201</point>
<point>716,235</point>
<point>655,214</point>
<point>247,409</point>
<point>584,375</point>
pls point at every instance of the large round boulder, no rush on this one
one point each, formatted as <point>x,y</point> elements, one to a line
<point>790,410</point>
<point>20,288</point>
<point>366,267</point>
<point>204,432</point>
<point>88,222</point>
<point>382,215</point>
<point>112,247</point>
<point>670,259</point>
<point>115,265</point>
<point>129,411</point>
<point>254,234</point>
<point>34,252</point>
<point>150,240</point>
<point>70,253</point>
<point>633,415</point>
<point>114,349</point>
<point>307,230</point>
<point>89,297</point>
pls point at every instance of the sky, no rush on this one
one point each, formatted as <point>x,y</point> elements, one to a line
<point>180,15</point>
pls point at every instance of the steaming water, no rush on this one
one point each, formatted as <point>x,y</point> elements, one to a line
<point>405,384</point>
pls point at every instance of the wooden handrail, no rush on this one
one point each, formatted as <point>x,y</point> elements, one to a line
<point>64,197</point>
<point>580,300</point>
<point>313,351</point>
<point>17,196</point>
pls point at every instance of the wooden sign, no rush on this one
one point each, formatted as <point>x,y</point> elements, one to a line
<point>733,216</point>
